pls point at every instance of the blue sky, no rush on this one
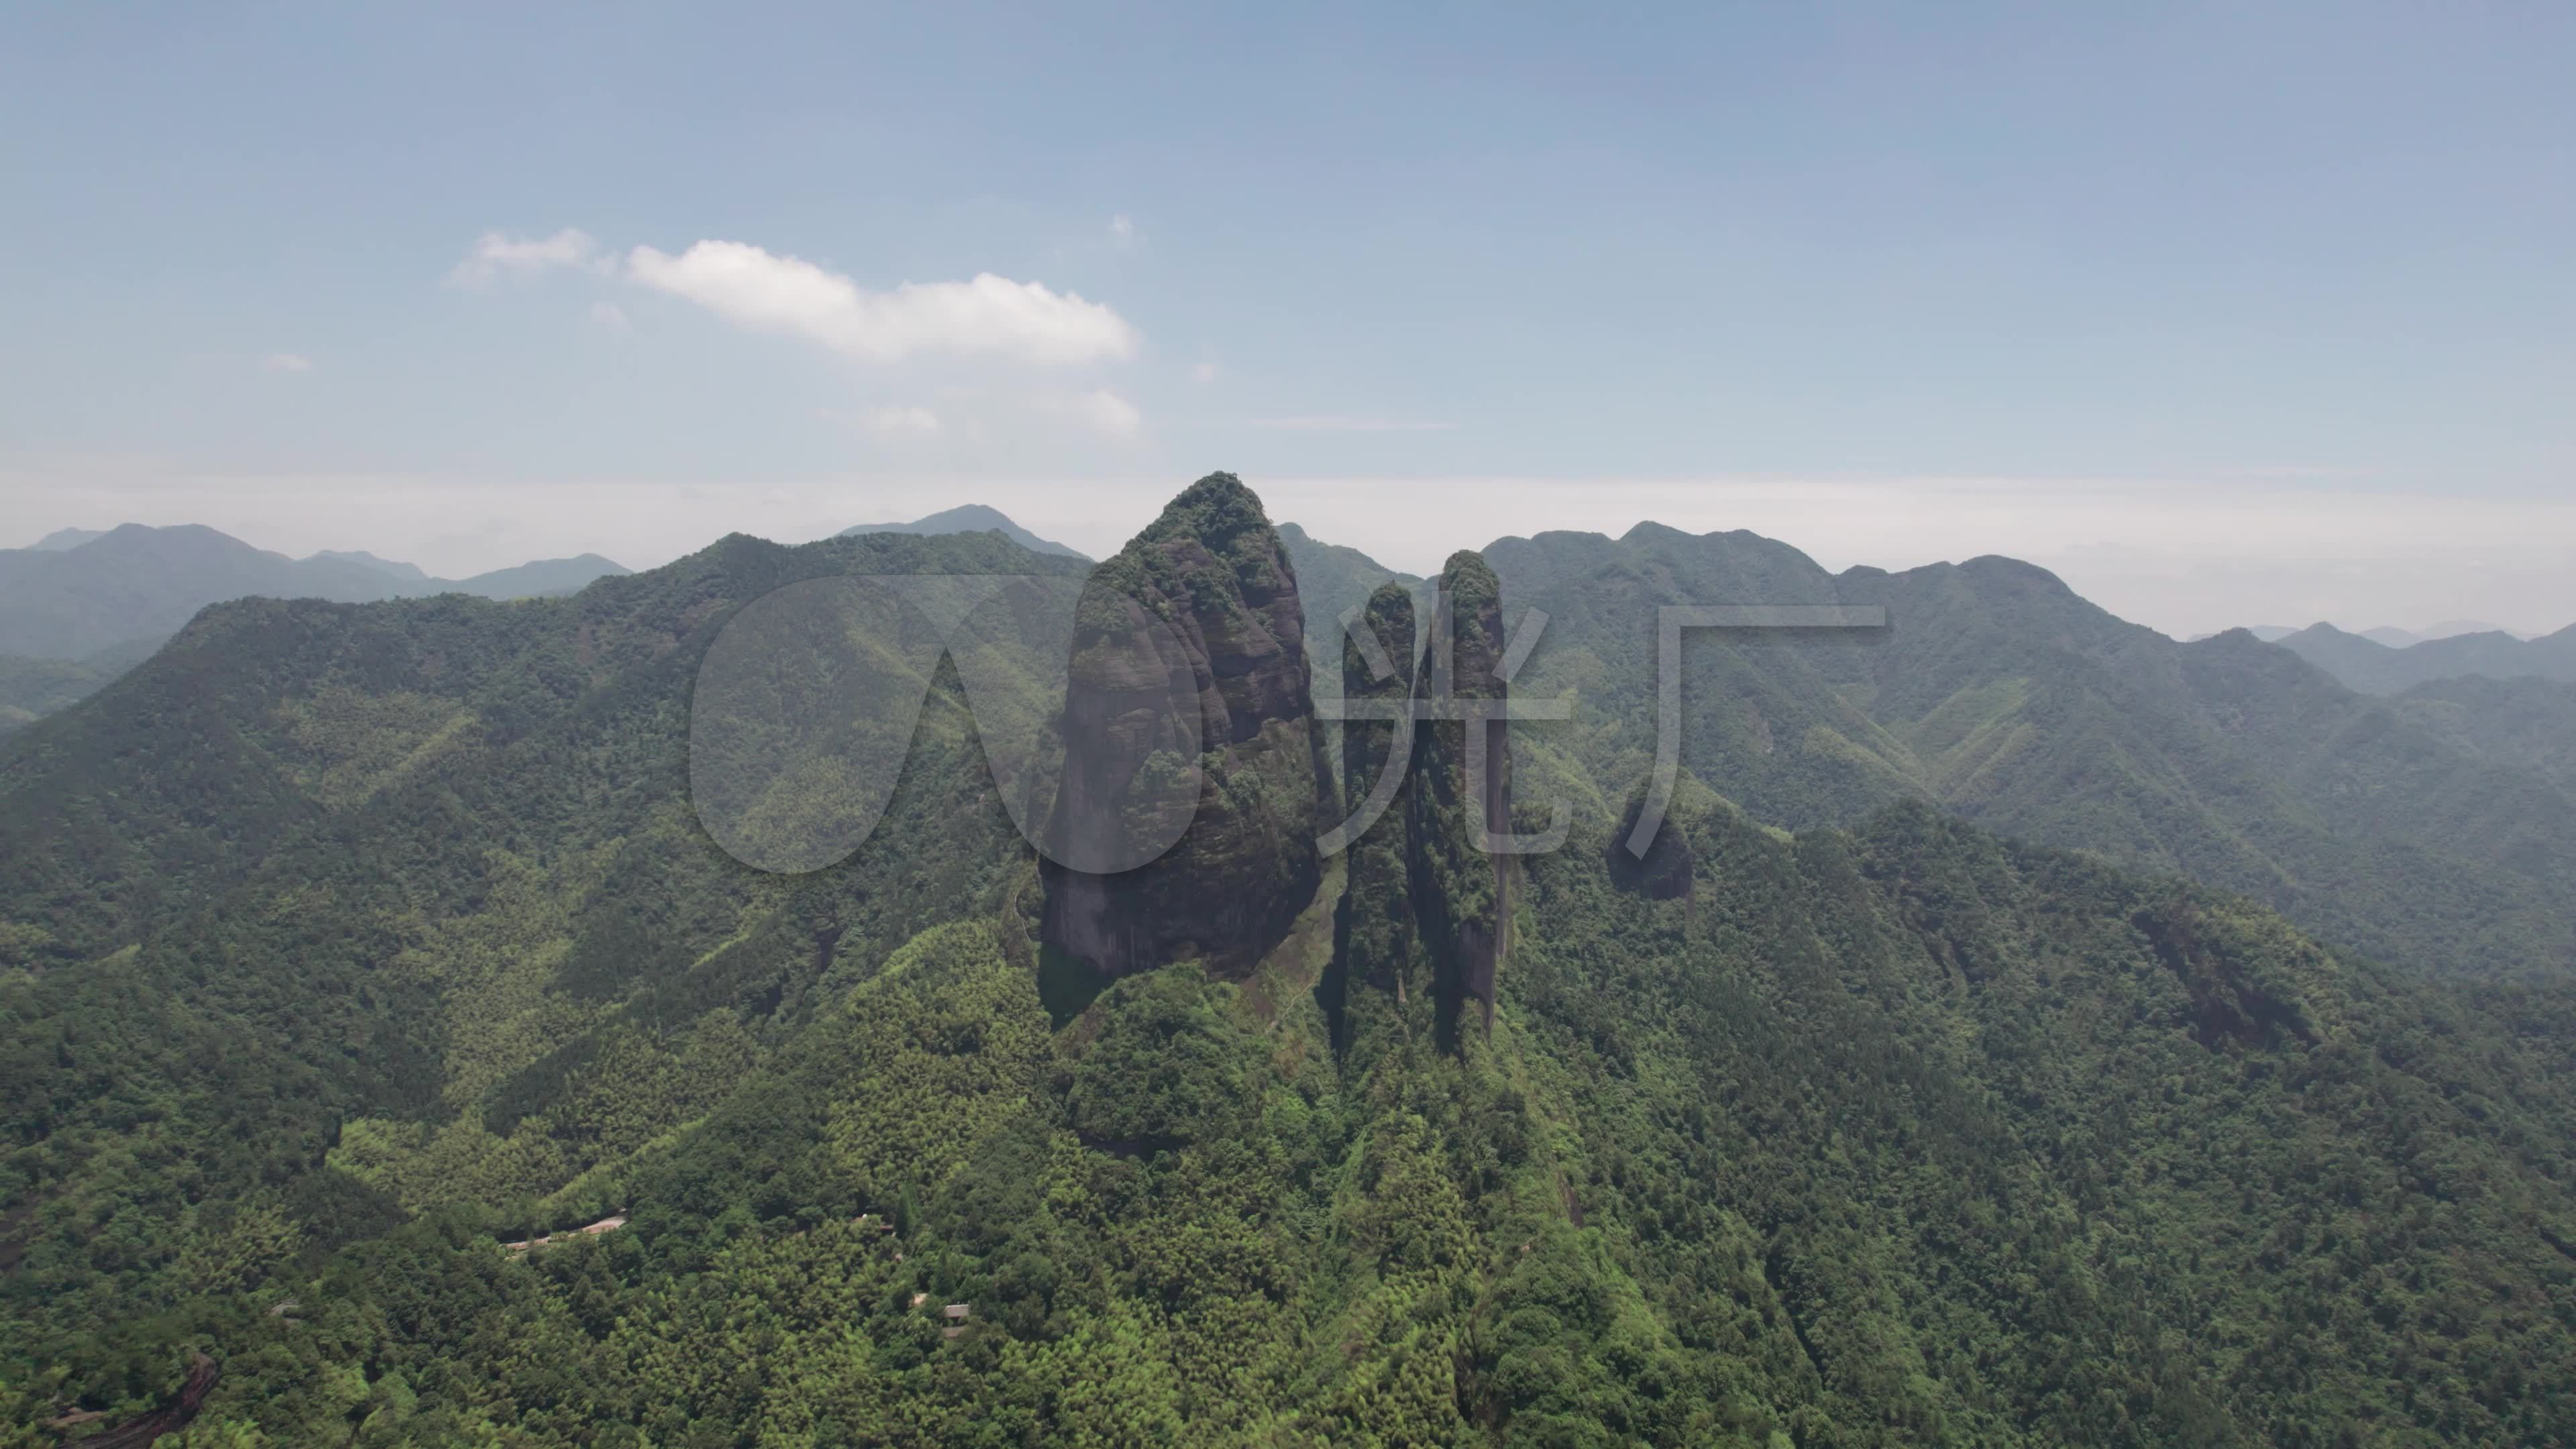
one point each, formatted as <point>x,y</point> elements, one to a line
<point>2229,312</point>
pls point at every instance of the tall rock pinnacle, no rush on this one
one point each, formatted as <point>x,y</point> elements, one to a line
<point>1378,951</point>
<point>1459,890</point>
<point>1212,571</point>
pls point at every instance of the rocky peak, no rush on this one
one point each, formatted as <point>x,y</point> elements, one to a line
<point>1459,888</point>
<point>1212,571</point>
<point>1376,941</point>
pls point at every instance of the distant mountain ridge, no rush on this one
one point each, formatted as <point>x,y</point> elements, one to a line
<point>1334,579</point>
<point>81,606</point>
<point>2373,667</point>
<point>535,579</point>
<point>69,600</point>
<point>969,518</point>
<point>360,556</point>
<point>2408,638</point>
<point>2394,638</point>
<point>1999,693</point>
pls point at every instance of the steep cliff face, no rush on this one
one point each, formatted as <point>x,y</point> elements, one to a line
<point>1459,888</point>
<point>1212,572</point>
<point>1378,951</point>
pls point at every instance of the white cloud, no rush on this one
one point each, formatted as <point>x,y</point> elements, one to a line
<point>495,253</point>
<point>286,362</point>
<point>898,422</point>
<point>610,316</point>
<point>1099,410</point>
<point>1205,373</point>
<point>1123,232</point>
<point>988,316</point>
<point>1335,424</point>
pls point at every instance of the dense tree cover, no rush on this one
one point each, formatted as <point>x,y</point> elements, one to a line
<point>2376,668</point>
<point>2526,725</point>
<point>1904,1137</point>
<point>1893,1134</point>
<point>114,597</point>
<point>30,689</point>
<point>354,910</point>
<point>1996,692</point>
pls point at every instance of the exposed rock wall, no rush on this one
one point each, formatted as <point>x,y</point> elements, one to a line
<point>1378,953</point>
<point>1460,890</point>
<point>1213,572</point>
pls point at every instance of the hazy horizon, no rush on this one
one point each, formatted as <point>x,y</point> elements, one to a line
<point>2178,304</point>
<point>2182,594</point>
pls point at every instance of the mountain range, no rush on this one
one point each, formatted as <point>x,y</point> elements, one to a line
<point>2375,668</point>
<point>2024,1029</point>
<point>968,518</point>
<point>74,595</point>
<point>80,607</point>
<point>1998,693</point>
<point>69,625</point>
<point>2448,628</point>
<point>2394,638</point>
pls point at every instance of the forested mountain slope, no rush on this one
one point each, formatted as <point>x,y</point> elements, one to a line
<point>349,944</point>
<point>135,585</point>
<point>30,689</point>
<point>323,873</point>
<point>1334,580</point>
<point>1997,692</point>
<point>2376,668</point>
<point>969,518</point>
<point>2523,724</point>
